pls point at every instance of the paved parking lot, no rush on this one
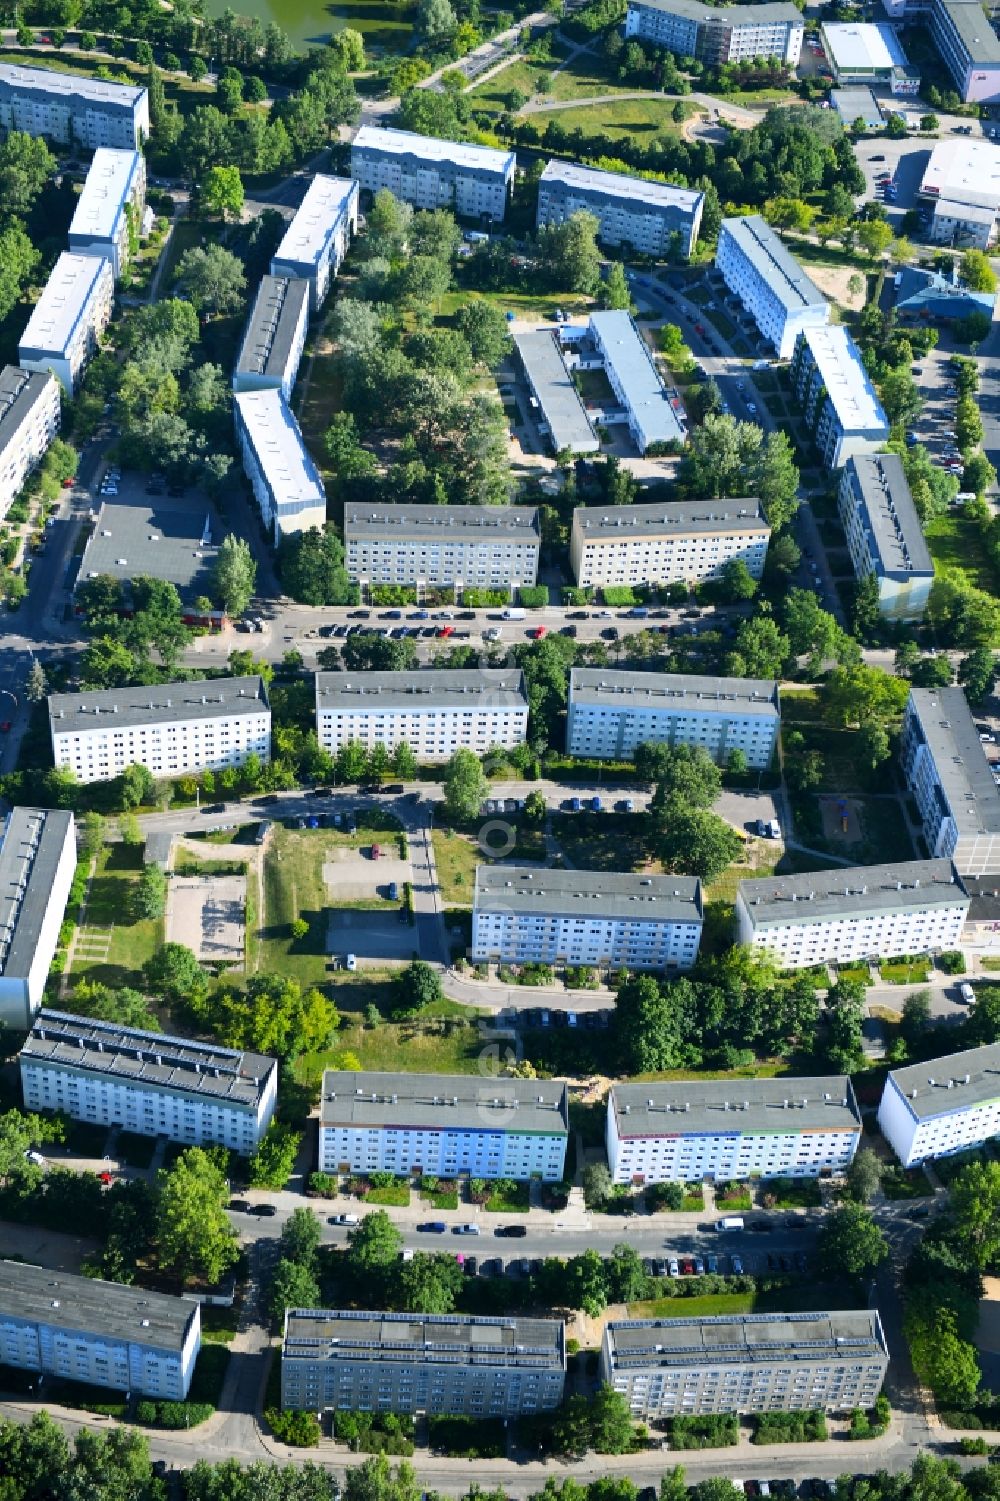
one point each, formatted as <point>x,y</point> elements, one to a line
<point>372,935</point>
<point>350,875</point>
<point>906,160</point>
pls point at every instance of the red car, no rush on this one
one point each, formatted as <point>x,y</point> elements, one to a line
<point>5,725</point>
<point>687,1267</point>
<point>446,630</point>
<point>376,851</point>
<point>68,483</point>
<point>699,330</point>
<point>105,1178</point>
<point>537,632</point>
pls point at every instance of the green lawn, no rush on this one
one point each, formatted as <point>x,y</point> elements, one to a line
<point>793,1194</point>
<point>522,304</point>
<point>917,973</point>
<point>440,1198</point>
<point>515,1199</point>
<point>112,947</point>
<point>603,841</point>
<point>182,91</point>
<point>396,1196</point>
<point>456,856</point>
<point>693,1308</point>
<point>446,1045</point>
<point>956,541</point>
<point>588,75</point>
<point>642,120</point>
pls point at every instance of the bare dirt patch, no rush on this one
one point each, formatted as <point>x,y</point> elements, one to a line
<point>841,820</point>
<point>208,914</point>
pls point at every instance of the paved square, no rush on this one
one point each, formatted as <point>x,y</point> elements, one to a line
<point>208,914</point>
<point>371,935</point>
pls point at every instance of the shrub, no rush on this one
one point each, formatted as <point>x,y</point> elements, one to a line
<point>533,597</point>
<point>620,594</point>
<point>298,1428</point>
<point>952,962</point>
<point>145,1412</point>
<point>322,1185</point>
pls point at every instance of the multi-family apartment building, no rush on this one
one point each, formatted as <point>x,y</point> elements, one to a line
<point>434,712</point>
<point>172,728</point>
<point>769,282</point>
<point>286,484</point>
<point>69,318</point>
<point>316,241</point>
<point>442,547</point>
<point>961,185</point>
<point>838,400</point>
<point>650,217</point>
<point>102,1333</point>
<point>73,109</point>
<point>474,181</point>
<point>969,49</point>
<point>746,1362</point>
<point>666,542</point>
<point>857,912</point>
<point>884,534</point>
<point>29,420</point>
<point>557,411</point>
<point>196,1093</point>
<point>717,35</point>
<point>445,1125</point>
<point>526,915</point>
<point>942,1106</point>
<point>652,416</point>
<point>37,864</point>
<point>949,778</point>
<point>108,216</point>
<point>274,337</point>
<point>611,712</point>
<point>446,1363</point>
<point>731,1128</point>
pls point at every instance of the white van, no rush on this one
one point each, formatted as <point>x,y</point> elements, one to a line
<point>514,612</point>
<point>729,1222</point>
<point>967,993</point>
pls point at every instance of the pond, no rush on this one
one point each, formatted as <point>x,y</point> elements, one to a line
<point>385,27</point>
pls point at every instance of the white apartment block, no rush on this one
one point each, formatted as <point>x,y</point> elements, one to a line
<point>68,319</point>
<point>441,1363</point>
<point>109,211</point>
<point>525,915</point>
<point>316,241</point>
<point>666,542</point>
<point>103,1333</point>
<point>611,712</point>
<point>286,484</point>
<point>646,406</point>
<point>943,1106</point>
<point>968,46</point>
<point>434,711</point>
<point>195,1093</point>
<point>29,420</point>
<point>721,1129</point>
<point>442,547</point>
<point>445,1125</point>
<point>884,534</point>
<point>172,728</point>
<point>858,912</point>
<point>474,181</point>
<point>651,217</point>
<point>72,109</point>
<point>838,400</point>
<point>746,1362</point>
<point>37,864</point>
<point>274,337</point>
<point>717,35</point>
<point>769,282</point>
<point>949,778</point>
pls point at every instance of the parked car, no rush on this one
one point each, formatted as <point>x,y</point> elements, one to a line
<point>511,1232</point>
<point>432,1227</point>
<point>344,1219</point>
<point>465,1230</point>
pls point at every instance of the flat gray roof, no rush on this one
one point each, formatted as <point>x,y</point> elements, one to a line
<point>73,281</point>
<point>433,524</point>
<point>109,185</point>
<point>846,380</point>
<point>726,1107</point>
<point>31,846</point>
<point>665,517</point>
<point>272,326</point>
<point>767,254</point>
<point>967,213</point>
<point>422,1338</point>
<point>325,204</point>
<point>976,34</point>
<point>745,1339</point>
<point>220,698</point>
<point>19,390</point>
<point>86,1305</point>
<point>150,1060</point>
<point>442,1102</point>
<point>776,901</point>
<point>630,363</point>
<point>962,768</point>
<point>157,538</point>
<point>943,1085</point>
<point>553,386</point>
<point>734,15</point>
<point>984,898</point>
<point>623,895</point>
<point>408,143</point>
<point>444,688</point>
<point>661,195</point>
<point>897,542</point>
<point>84,87</point>
<point>683,692</point>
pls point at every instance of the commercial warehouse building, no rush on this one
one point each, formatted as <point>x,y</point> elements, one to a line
<point>37,864</point>
<point>286,483</point>
<point>108,216</point>
<point>171,729</point>
<point>69,318</point>
<point>29,420</point>
<point>749,1362</point>
<point>474,181</point>
<point>853,913</point>
<point>731,1128</point>
<point>611,712</point>
<point>274,337</point>
<point>666,542</point>
<point>444,1125</point>
<point>653,218</point>
<point>961,182</point>
<point>435,712</point>
<point>866,52</point>
<point>526,915</point>
<point>162,539</point>
<point>884,534</point>
<point>769,282</point>
<point>838,400</point>
<point>127,1339</point>
<point>196,1093</point>
<point>942,1106</point>
<point>316,241</point>
<point>434,1363</point>
<point>558,412</point>
<point>949,778</point>
<point>73,109</point>
<point>628,364</point>
<point>442,547</point>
